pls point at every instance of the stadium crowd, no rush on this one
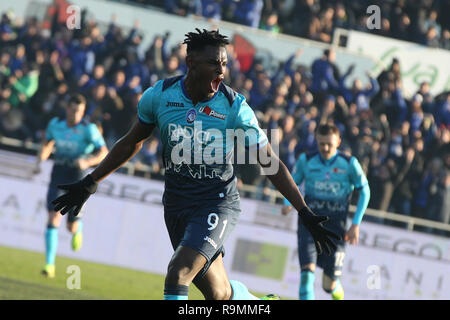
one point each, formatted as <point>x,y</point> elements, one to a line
<point>402,144</point>
<point>424,21</point>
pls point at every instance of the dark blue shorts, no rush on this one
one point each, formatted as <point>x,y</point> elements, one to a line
<point>62,175</point>
<point>307,253</point>
<point>203,226</point>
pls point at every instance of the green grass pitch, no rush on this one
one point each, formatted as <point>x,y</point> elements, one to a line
<point>20,278</point>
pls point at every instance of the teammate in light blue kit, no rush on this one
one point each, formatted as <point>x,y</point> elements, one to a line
<point>198,117</point>
<point>330,177</point>
<point>74,140</point>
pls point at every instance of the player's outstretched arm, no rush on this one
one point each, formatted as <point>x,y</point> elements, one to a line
<point>125,148</point>
<point>283,181</point>
<point>44,153</point>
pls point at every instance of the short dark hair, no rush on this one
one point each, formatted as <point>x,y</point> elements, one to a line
<point>325,129</point>
<point>77,98</point>
<point>201,39</point>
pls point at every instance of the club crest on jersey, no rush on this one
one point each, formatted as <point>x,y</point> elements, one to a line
<point>191,115</point>
<point>210,112</point>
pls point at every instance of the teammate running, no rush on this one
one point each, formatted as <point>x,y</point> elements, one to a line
<point>330,177</point>
<point>78,145</point>
<point>196,114</point>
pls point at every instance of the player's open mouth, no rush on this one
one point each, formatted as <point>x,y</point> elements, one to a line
<point>215,83</point>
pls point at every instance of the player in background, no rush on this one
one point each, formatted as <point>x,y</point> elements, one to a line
<point>78,145</point>
<point>330,177</point>
<point>201,200</point>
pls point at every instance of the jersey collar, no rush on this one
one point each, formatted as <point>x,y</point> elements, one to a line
<point>330,161</point>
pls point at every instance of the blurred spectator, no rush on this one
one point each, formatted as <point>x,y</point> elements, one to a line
<point>184,7</point>
<point>357,94</point>
<point>445,40</point>
<point>323,79</point>
<point>248,12</point>
<point>270,23</point>
<point>212,9</point>
<point>431,38</point>
<point>440,196</point>
<point>428,183</point>
<point>24,84</point>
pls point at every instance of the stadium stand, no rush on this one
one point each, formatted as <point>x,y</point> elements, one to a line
<point>402,144</point>
<point>426,21</point>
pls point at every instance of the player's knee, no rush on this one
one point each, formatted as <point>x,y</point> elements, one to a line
<point>219,293</point>
<point>54,219</point>
<point>178,273</point>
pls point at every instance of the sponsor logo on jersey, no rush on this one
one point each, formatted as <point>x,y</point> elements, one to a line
<point>210,112</point>
<point>337,170</point>
<point>191,115</point>
<point>328,205</point>
<point>327,186</point>
<point>211,242</point>
<point>175,104</point>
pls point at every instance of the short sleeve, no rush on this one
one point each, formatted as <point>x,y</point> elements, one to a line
<point>49,132</point>
<point>357,176</point>
<point>95,137</point>
<point>146,107</point>
<point>247,122</point>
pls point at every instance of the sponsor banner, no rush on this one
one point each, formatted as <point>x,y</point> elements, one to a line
<point>388,263</point>
<point>124,226</point>
<point>418,63</point>
<point>123,221</point>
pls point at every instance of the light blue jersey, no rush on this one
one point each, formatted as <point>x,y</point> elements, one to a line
<point>72,143</point>
<point>198,139</point>
<point>329,184</point>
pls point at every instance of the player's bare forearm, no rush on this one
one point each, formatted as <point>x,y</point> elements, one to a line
<point>283,181</point>
<point>123,150</point>
<point>45,151</point>
<point>98,157</point>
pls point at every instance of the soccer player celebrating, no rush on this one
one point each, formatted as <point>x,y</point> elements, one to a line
<point>330,177</point>
<point>78,145</point>
<point>201,200</point>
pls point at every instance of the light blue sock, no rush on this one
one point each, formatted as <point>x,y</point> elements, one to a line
<point>80,226</point>
<point>338,284</point>
<point>240,291</point>
<point>51,244</point>
<point>306,291</point>
<point>176,292</point>
<point>174,297</point>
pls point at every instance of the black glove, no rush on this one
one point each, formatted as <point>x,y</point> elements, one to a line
<point>322,236</point>
<point>76,196</point>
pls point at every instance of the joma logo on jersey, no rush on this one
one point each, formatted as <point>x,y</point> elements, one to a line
<point>175,104</point>
<point>210,112</point>
<point>211,242</point>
